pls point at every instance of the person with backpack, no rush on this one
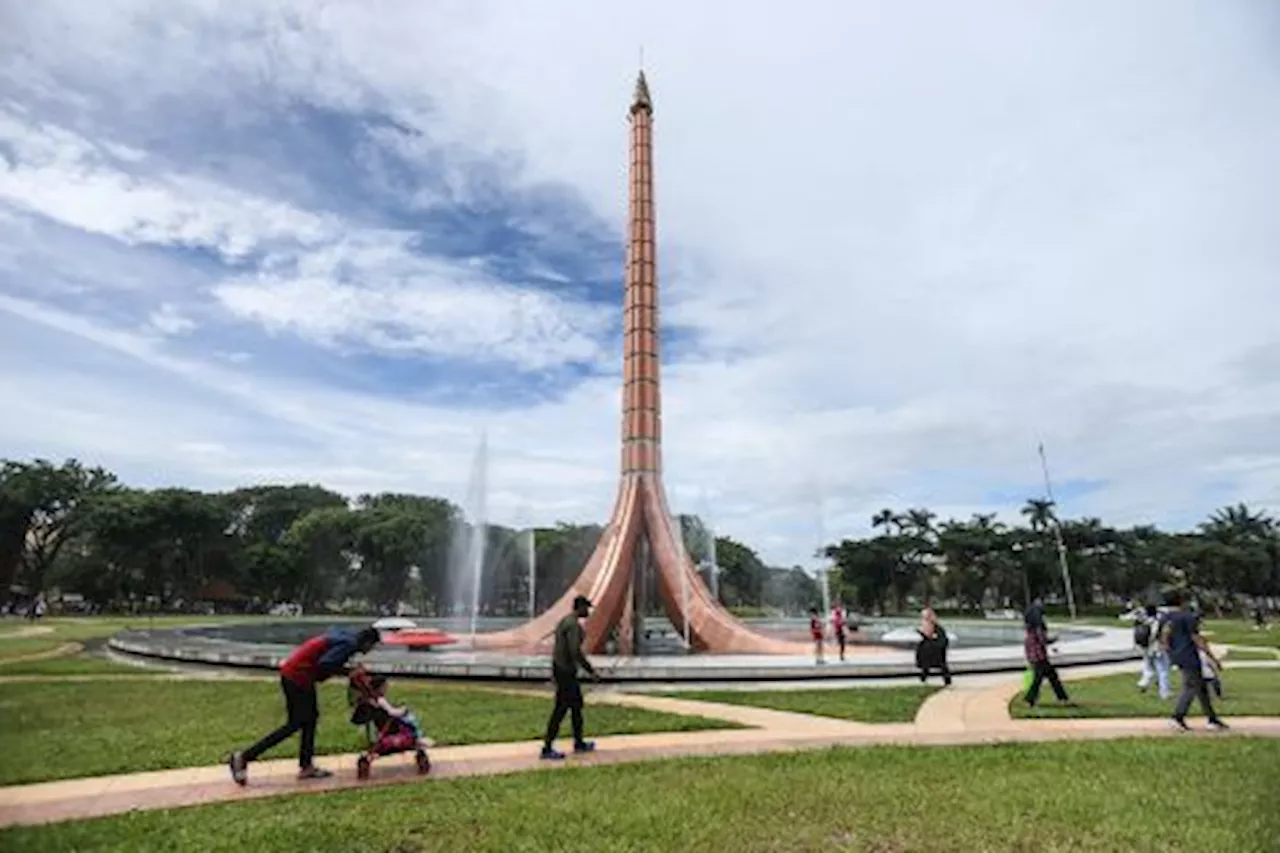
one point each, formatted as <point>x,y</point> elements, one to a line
<point>1155,663</point>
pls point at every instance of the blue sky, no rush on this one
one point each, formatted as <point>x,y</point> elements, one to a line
<point>245,242</point>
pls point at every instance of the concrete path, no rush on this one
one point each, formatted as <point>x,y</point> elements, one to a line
<point>975,712</point>
<point>29,631</point>
<point>64,650</point>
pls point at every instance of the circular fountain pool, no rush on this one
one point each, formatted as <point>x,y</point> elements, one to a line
<point>885,649</point>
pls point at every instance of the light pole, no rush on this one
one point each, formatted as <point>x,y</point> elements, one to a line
<point>1016,548</point>
<point>1057,535</point>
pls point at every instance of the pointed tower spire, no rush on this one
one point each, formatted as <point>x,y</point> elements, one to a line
<point>641,548</point>
<point>641,99</point>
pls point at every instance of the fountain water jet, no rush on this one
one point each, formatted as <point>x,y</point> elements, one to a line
<point>532,557</point>
<point>469,541</point>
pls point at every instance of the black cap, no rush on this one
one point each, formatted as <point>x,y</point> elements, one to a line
<point>582,601</point>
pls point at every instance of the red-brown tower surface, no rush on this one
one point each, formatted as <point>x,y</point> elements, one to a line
<point>641,534</point>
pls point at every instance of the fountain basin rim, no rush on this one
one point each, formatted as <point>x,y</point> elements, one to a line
<point>1103,645</point>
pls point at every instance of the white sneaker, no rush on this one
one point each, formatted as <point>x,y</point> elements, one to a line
<point>1179,725</point>
<point>1217,726</point>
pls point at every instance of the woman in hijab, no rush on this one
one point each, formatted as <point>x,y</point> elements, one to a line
<point>931,652</point>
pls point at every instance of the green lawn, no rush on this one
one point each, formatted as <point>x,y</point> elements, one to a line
<point>84,663</point>
<point>67,628</point>
<point>57,730</point>
<point>1252,654</point>
<point>21,647</point>
<point>1225,631</point>
<point>1239,631</point>
<point>864,705</point>
<point>1047,798</point>
<point>1248,692</point>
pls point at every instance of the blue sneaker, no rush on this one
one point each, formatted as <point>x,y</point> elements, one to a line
<point>584,746</point>
<point>551,754</point>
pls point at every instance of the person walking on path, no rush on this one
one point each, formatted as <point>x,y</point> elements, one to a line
<point>1036,644</point>
<point>931,651</point>
<point>566,660</point>
<point>838,620</point>
<point>1183,643</point>
<point>309,664</point>
<point>1155,663</point>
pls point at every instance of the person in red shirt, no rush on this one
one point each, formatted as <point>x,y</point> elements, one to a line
<point>310,663</point>
<point>815,630</point>
<point>838,626</point>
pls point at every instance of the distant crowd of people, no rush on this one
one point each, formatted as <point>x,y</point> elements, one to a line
<point>1169,638</point>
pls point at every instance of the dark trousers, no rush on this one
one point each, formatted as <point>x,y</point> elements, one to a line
<point>943,670</point>
<point>568,701</point>
<point>1045,670</point>
<point>841,640</point>
<point>303,714</point>
<point>1193,687</point>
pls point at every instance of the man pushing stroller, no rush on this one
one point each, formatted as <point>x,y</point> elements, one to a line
<point>316,660</point>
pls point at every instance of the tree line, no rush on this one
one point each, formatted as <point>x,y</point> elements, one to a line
<point>74,528</point>
<point>71,528</point>
<point>1232,557</point>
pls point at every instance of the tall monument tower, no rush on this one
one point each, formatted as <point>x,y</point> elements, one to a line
<point>641,536</point>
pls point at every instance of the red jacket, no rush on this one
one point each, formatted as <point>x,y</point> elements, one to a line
<point>318,658</point>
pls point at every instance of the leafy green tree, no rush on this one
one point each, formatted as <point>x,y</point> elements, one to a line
<point>742,574</point>
<point>397,533</point>
<point>41,505</point>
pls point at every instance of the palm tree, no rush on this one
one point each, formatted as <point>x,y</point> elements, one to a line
<point>1039,513</point>
<point>922,521</point>
<point>885,518</point>
<point>1234,523</point>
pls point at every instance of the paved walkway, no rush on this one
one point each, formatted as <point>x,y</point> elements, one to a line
<point>64,650</point>
<point>974,712</point>
<point>29,631</point>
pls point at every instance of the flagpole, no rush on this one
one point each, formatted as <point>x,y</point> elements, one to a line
<point>1057,533</point>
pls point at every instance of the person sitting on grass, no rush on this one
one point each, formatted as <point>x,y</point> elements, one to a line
<point>316,660</point>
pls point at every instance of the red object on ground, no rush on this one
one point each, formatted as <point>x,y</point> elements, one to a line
<point>417,638</point>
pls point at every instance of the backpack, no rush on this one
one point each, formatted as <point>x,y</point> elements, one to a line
<point>1142,634</point>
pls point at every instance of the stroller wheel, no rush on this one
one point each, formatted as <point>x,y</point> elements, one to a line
<point>424,763</point>
<point>362,767</point>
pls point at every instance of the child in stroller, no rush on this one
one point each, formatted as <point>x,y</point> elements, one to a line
<point>389,729</point>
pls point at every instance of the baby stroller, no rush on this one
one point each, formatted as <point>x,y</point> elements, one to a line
<point>385,733</point>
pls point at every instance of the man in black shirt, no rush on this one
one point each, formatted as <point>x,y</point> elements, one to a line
<point>1183,642</point>
<point>566,659</point>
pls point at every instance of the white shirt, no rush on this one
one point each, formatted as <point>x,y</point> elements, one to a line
<point>1206,667</point>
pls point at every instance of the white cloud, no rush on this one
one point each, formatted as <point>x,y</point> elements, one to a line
<point>914,244</point>
<point>61,175</point>
<point>168,320</point>
<point>373,293</point>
